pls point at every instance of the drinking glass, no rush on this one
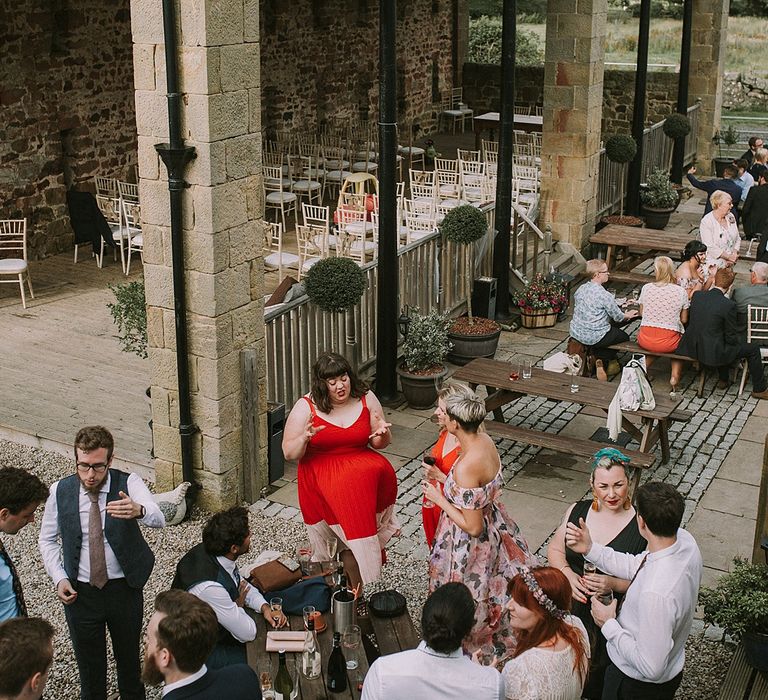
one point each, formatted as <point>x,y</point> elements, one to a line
<point>333,546</point>
<point>527,369</point>
<point>427,458</point>
<point>514,371</point>
<point>351,641</point>
<point>276,605</point>
<point>304,556</point>
<point>605,598</point>
<point>574,383</point>
<point>266,686</point>
<point>635,295</point>
<point>589,568</point>
<point>308,611</point>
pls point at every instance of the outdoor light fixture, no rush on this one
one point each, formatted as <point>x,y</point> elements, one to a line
<point>403,321</point>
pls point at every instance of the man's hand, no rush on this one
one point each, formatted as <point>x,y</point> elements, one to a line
<point>125,508</point>
<point>596,584</point>
<point>66,593</point>
<point>692,170</point>
<point>602,613</point>
<point>276,618</point>
<point>577,537</point>
<point>242,593</point>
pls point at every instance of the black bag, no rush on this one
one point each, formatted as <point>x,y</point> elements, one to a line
<point>387,604</point>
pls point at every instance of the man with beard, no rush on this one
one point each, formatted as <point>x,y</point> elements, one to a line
<point>94,551</point>
<point>180,636</point>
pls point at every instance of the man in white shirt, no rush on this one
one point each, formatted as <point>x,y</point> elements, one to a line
<point>437,668</point>
<point>94,552</point>
<point>26,657</point>
<point>646,642</point>
<point>209,571</point>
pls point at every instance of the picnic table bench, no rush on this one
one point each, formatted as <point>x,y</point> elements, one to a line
<point>742,682</point>
<point>555,386</point>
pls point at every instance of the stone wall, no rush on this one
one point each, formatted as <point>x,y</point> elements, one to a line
<point>66,109</point>
<point>319,60</point>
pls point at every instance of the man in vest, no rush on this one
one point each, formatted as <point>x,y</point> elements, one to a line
<point>93,550</point>
<point>209,571</point>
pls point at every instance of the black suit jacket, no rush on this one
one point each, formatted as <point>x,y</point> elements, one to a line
<point>709,186</point>
<point>712,335</point>
<point>238,682</point>
<point>754,214</point>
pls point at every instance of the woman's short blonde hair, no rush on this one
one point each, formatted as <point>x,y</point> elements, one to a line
<point>718,197</point>
<point>594,266</point>
<point>664,269</point>
<point>455,389</point>
<point>466,408</point>
<point>761,155</point>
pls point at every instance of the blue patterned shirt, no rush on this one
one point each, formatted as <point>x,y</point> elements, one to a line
<point>593,310</point>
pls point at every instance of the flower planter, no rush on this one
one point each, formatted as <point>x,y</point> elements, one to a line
<point>420,390</point>
<point>657,218</point>
<point>720,165</point>
<point>540,318</point>
<point>468,347</point>
<point>756,650</point>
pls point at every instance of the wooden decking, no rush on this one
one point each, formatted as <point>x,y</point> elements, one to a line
<point>61,366</point>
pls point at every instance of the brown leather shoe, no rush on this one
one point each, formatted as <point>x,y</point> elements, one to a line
<point>722,384</point>
<point>760,394</point>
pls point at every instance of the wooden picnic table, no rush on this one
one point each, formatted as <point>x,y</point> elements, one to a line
<point>556,386</point>
<point>490,122</point>
<point>640,244</point>
<point>392,635</point>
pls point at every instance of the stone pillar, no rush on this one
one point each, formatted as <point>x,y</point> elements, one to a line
<point>710,20</point>
<point>220,79</point>
<point>573,106</point>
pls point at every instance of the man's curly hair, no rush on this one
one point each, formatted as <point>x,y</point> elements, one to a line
<point>225,529</point>
<point>19,488</point>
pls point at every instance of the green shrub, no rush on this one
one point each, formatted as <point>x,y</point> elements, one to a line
<point>620,148</point>
<point>659,193</point>
<point>335,284</point>
<point>676,126</point>
<point>426,345</point>
<point>464,224</point>
<point>129,312</point>
<point>485,44</point>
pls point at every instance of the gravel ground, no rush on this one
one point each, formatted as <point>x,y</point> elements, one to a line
<point>706,661</point>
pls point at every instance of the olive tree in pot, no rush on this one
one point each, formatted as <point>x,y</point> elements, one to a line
<point>729,137</point>
<point>621,148</point>
<point>471,336</point>
<point>659,199</point>
<point>739,604</point>
<point>424,350</point>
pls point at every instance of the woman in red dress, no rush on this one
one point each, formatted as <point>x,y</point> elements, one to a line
<point>347,490</point>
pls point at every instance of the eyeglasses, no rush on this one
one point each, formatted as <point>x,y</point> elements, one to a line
<point>84,468</point>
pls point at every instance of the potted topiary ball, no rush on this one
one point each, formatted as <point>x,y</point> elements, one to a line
<point>335,284</point>
<point>472,336</point>
<point>621,148</point>
<point>659,199</point>
<point>676,126</point>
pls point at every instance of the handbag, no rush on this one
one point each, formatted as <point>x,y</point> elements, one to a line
<point>273,576</point>
<point>389,603</point>
<point>311,591</point>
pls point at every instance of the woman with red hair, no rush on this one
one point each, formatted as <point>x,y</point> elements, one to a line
<point>552,654</point>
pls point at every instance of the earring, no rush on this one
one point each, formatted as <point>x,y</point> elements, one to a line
<point>595,504</point>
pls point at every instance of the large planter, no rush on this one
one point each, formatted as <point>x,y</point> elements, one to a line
<point>420,390</point>
<point>656,217</point>
<point>756,650</point>
<point>469,347</point>
<point>720,165</point>
<point>540,318</point>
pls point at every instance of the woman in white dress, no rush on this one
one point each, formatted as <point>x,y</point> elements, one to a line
<point>719,232</point>
<point>551,659</point>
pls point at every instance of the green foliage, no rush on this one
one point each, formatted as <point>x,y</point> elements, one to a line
<point>527,10</point>
<point>426,344</point>
<point>739,601</point>
<point>129,312</point>
<point>335,284</point>
<point>541,293</point>
<point>620,148</point>
<point>748,8</point>
<point>485,44</point>
<point>676,126</point>
<point>464,224</point>
<point>730,136</point>
<point>659,194</point>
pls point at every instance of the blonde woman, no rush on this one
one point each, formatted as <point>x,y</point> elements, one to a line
<point>719,232</point>
<point>664,308</point>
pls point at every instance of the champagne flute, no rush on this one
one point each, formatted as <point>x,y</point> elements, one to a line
<point>429,460</point>
<point>333,546</point>
<point>276,605</point>
<point>589,568</point>
<point>308,611</point>
<point>605,598</point>
<point>351,641</point>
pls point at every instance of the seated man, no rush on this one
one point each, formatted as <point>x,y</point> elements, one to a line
<point>755,215</point>
<point>712,336</point>
<point>727,183</point>
<point>593,311</point>
<point>26,657</point>
<point>755,294</point>
<point>209,571</point>
<point>437,668</point>
<point>743,179</point>
<point>180,635</point>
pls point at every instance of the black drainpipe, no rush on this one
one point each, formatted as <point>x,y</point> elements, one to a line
<point>176,155</point>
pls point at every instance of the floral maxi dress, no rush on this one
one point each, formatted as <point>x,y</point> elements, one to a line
<point>485,564</point>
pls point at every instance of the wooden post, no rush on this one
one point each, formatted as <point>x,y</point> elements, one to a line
<point>249,479</point>
<point>761,525</point>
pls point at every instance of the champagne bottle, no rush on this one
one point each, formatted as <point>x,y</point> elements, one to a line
<point>310,657</point>
<point>344,594</point>
<point>337,667</point>
<point>283,684</point>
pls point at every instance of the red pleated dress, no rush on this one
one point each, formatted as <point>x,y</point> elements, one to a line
<point>347,491</point>
<point>431,516</point>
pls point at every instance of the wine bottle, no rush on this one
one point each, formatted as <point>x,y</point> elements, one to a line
<point>310,657</point>
<point>337,667</point>
<point>344,594</point>
<point>283,685</point>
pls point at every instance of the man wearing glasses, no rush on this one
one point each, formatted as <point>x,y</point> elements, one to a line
<point>94,551</point>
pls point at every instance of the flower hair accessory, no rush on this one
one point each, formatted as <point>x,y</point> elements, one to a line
<point>608,456</point>
<point>541,598</point>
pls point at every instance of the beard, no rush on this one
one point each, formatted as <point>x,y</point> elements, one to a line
<point>150,673</point>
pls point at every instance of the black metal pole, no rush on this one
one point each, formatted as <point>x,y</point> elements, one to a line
<point>678,151</point>
<point>176,155</point>
<point>506,158</point>
<point>638,110</point>
<point>387,301</point>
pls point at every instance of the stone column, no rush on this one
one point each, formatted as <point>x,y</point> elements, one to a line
<point>573,105</point>
<point>220,79</point>
<point>710,20</point>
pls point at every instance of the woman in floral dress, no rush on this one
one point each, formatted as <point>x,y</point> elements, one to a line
<point>476,543</point>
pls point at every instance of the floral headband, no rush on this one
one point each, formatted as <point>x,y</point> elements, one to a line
<point>541,598</point>
<point>608,456</point>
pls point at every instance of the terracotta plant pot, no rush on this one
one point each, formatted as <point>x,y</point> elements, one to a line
<point>540,318</point>
<point>420,390</point>
<point>473,340</point>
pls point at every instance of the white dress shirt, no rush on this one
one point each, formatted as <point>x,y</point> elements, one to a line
<point>647,641</point>
<point>185,681</point>
<point>49,529</point>
<point>426,674</point>
<point>229,614</point>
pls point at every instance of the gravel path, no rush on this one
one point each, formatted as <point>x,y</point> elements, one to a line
<point>706,662</point>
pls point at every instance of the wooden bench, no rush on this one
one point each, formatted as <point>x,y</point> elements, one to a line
<point>742,682</point>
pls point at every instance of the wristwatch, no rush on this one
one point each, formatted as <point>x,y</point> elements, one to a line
<point>143,512</point>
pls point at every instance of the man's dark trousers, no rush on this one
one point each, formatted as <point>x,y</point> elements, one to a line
<point>751,353</point>
<point>118,607</point>
<point>619,686</point>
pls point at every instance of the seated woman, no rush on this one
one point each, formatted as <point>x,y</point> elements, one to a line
<point>552,653</point>
<point>593,313</point>
<point>664,308</point>
<point>719,232</point>
<point>691,274</point>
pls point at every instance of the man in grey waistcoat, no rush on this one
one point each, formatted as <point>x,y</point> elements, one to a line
<point>94,551</point>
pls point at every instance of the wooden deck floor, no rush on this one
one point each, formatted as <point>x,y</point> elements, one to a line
<point>61,366</point>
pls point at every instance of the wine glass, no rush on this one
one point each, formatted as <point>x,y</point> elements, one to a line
<point>304,556</point>
<point>333,546</point>
<point>308,611</point>
<point>276,605</point>
<point>429,460</point>
<point>351,641</point>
